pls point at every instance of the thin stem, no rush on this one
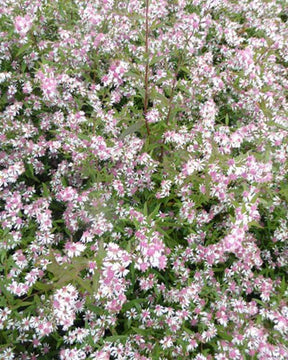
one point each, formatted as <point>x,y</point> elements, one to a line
<point>170,105</point>
<point>146,66</point>
<point>175,81</point>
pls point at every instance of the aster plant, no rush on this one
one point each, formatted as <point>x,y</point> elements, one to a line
<point>143,179</point>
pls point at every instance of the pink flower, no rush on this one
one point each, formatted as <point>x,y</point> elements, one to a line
<point>74,248</point>
<point>23,24</point>
<point>49,87</point>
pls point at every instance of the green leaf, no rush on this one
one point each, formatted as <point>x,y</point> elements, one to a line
<point>143,332</point>
<point>23,66</point>
<point>133,74</point>
<point>131,129</point>
<point>46,191</point>
<point>224,335</point>
<point>21,303</point>
<point>99,261</point>
<point>259,302</point>
<point>133,303</point>
<point>256,224</point>
<point>42,286</point>
<point>156,352</point>
<point>280,126</point>
<point>227,120</point>
<point>156,59</point>
<point>265,110</point>
<point>30,172</point>
<point>116,338</point>
<point>283,285</point>
<point>155,25</point>
<point>156,95</point>
<point>96,309</point>
<point>85,284</point>
<point>64,181</point>
<point>145,211</point>
<point>154,212</point>
<point>23,49</point>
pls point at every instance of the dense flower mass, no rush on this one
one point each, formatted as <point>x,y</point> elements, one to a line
<point>143,179</point>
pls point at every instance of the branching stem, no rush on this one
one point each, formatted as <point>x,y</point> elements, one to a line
<point>147,65</point>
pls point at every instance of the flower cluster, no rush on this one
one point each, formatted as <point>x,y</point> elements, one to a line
<point>65,306</point>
